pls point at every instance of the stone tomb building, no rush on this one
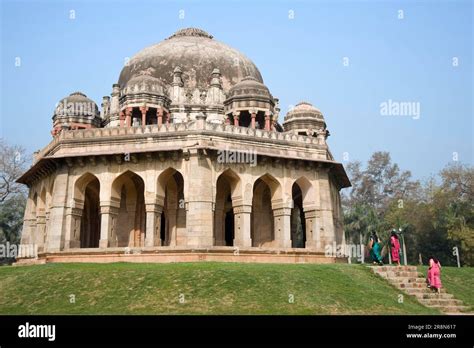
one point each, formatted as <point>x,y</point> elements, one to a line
<point>186,160</point>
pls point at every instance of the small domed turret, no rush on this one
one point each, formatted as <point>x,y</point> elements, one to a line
<point>305,119</point>
<point>75,111</point>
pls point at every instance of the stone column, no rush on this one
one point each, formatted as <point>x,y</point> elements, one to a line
<point>40,231</point>
<point>73,232</point>
<point>108,212</point>
<point>159,116</point>
<point>114,102</point>
<point>227,119</point>
<point>58,211</point>
<point>173,226</point>
<point>328,235</point>
<point>267,121</point>
<point>153,224</point>
<point>167,117</point>
<point>128,117</point>
<point>219,227</point>
<point>321,135</point>
<point>236,115</point>
<point>313,239</point>
<point>253,116</point>
<point>122,118</point>
<point>132,225</point>
<point>242,237</point>
<point>199,200</point>
<point>282,226</point>
<point>27,232</point>
<point>143,110</point>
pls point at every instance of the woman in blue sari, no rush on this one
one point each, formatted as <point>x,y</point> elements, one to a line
<point>375,249</point>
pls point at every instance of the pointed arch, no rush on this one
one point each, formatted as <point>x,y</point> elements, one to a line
<point>228,192</point>
<point>170,195</point>
<point>302,194</point>
<point>266,192</point>
<point>307,190</point>
<point>273,184</point>
<point>128,190</point>
<point>81,184</point>
<point>86,225</point>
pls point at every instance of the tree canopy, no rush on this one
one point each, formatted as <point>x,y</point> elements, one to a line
<point>435,216</point>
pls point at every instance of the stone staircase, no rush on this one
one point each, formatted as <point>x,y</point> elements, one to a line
<point>409,280</point>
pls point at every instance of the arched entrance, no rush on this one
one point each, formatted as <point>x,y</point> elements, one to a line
<point>128,189</point>
<point>303,214</point>
<point>298,224</point>
<point>173,217</point>
<point>90,220</point>
<point>265,190</point>
<point>224,218</point>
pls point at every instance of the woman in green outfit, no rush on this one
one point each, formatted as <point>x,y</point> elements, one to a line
<point>375,249</point>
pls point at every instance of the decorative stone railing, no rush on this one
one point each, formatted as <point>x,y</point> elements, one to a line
<point>193,126</point>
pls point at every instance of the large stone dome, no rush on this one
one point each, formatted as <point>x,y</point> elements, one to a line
<point>197,54</point>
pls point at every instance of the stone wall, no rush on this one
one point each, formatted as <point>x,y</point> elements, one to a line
<point>55,203</point>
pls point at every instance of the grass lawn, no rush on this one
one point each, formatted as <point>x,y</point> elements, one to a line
<point>457,281</point>
<point>206,288</point>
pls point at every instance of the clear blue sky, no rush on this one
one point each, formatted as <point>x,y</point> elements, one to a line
<point>408,60</point>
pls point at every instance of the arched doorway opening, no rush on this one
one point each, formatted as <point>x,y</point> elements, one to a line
<point>90,220</point>
<point>129,189</point>
<point>263,230</point>
<point>173,217</point>
<point>298,223</point>
<point>224,218</point>
<point>245,119</point>
<point>260,120</point>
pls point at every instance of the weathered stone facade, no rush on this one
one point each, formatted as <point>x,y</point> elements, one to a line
<point>182,161</point>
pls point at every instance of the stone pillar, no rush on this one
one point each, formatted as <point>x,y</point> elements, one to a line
<point>114,102</point>
<point>321,135</point>
<point>122,118</point>
<point>236,115</point>
<point>199,200</point>
<point>128,117</point>
<point>253,116</point>
<point>159,116</point>
<point>173,226</point>
<point>143,110</point>
<point>328,234</point>
<point>167,117</point>
<point>313,240</point>
<point>219,238</point>
<point>153,224</point>
<point>58,211</point>
<point>27,233</point>
<point>282,225</point>
<point>132,225</point>
<point>267,121</point>
<point>227,119</point>
<point>242,237</point>
<point>73,232</point>
<point>105,107</point>
<point>40,231</point>
<point>108,212</point>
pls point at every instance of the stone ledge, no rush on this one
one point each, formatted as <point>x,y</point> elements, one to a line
<point>167,254</point>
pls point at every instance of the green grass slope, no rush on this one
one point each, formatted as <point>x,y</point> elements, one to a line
<point>457,281</point>
<point>199,288</point>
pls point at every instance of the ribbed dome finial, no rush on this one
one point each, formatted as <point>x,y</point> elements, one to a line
<point>191,32</point>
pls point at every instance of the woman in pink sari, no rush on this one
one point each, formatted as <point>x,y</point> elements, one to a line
<point>434,275</point>
<point>395,247</point>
